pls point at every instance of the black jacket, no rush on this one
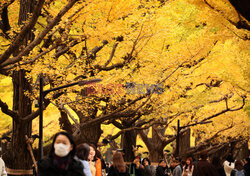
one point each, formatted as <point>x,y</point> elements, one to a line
<point>204,168</point>
<point>46,168</point>
<point>138,171</point>
<point>114,172</point>
<point>148,170</point>
<point>161,171</point>
<point>247,168</point>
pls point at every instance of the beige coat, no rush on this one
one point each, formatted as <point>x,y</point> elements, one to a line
<point>92,168</point>
<point>2,168</point>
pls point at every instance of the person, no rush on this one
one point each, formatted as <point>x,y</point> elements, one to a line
<point>162,169</point>
<point>2,168</point>
<point>228,165</point>
<point>136,168</point>
<point>247,166</point>
<point>177,167</point>
<point>218,166</point>
<point>82,153</point>
<point>238,171</point>
<point>108,165</point>
<point>118,168</point>
<point>94,162</point>
<point>102,162</point>
<point>92,159</point>
<point>203,167</point>
<point>188,168</point>
<point>61,161</point>
<point>148,169</point>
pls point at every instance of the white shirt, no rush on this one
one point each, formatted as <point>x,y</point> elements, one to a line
<point>2,168</point>
<point>190,173</point>
<point>228,169</point>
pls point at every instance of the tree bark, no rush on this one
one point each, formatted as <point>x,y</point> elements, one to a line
<point>18,156</point>
<point>156,154</point>
<point>242,7</point>
<point>184,143</point>
<point>90,134</point>
<point>157,145</point>
<point>128,139</point>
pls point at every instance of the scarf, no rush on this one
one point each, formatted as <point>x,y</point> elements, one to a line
<point>61,163</point>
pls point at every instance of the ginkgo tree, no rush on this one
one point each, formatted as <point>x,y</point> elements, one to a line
<point>170,43</point>
<point>47,39</point>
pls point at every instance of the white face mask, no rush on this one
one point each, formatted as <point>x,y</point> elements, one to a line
<point>61,150</point>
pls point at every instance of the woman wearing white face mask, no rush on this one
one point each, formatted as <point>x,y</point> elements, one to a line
<point>61,160</point>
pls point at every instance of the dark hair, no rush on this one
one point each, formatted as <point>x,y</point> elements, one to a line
<point>191,163</point>
<point>230,159</point>
<point>161,161</point>
<point>82,151</point>
<point>177,159</point>
<point>149,163</point>
<point>72,152</point>
<point>98,154</point>
<point>94,147</point>
<point>216,162</point>
<point>248,160</point>
<point>238,165</point>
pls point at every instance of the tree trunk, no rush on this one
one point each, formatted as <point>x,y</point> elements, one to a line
<point>26,8</point>
<point>127,141</point>
<point>157,145</point>
<point>90,134</point>
<point>19,157</point>
<point>184,144</point>
<point>156,154</point>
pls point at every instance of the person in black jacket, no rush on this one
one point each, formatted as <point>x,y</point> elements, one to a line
<point>148,168</point>
<point>203,167</point>
<point>218,166</point>
<point>119,167</point>
<point>61,160</point>
<point>162,169</point>
<point>247,166</point>
<point>136,168</point>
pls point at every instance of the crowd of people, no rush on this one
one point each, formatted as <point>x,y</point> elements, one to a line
<point>67,159</point>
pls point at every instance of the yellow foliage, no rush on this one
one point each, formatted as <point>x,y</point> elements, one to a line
<point>184,43</point>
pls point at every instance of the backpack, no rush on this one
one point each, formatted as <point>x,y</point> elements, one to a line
<point>238,173</point>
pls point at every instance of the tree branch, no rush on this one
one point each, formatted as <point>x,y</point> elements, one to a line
<point>159,136</point>
<point>4,24</point>
<point>127,58</point>
<point>33,115</point>
<point>23,32</point>
<point>224,111</point>
<point>241,24</point>
<point>113,115</point>
<point>146,140</point>
<point>5,109</point>
<point>126,130</point>
<point>66,49</point>
<point>64,122</point>
<point>112,54</point>
<point>117,124</point>
<point>92,53</point>
<point>32,60</point>
<point>39,38</point>
<point>166,142</point>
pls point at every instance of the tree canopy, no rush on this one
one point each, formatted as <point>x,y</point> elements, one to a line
<point>159,61</point>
